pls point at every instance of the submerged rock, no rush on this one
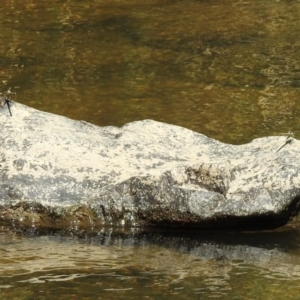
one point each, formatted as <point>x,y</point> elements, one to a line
<point>59,172</point>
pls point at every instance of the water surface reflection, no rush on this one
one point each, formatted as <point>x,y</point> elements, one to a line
<point>150,265</point>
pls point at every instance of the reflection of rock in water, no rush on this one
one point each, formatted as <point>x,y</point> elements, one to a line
<point>201,262</point>
<point>268,250</point>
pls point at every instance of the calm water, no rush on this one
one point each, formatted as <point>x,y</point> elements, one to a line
<point>151,266</point>
<point>228,69</point>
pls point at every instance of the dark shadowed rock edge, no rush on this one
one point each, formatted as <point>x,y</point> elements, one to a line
<point>61,173</point>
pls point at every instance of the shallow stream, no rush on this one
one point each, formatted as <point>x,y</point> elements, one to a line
<point>229,69</point>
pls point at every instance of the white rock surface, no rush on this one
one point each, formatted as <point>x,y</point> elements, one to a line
<point>146,172</point>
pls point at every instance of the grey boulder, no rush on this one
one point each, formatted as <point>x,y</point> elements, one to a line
<point>55,171</point>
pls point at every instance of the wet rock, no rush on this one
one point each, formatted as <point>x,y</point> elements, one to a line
<point>59,172</point>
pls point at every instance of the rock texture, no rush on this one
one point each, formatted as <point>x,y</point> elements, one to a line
<point>59,172</point>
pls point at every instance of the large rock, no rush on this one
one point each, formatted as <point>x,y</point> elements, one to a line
<point>56,172</point>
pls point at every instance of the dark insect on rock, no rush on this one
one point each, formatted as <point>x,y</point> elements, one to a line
<point>5,100</point>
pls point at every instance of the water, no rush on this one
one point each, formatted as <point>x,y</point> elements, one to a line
<point>229,69</point>
<point>151,265</point>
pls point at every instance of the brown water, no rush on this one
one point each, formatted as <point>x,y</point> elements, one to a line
<point>228,69</point>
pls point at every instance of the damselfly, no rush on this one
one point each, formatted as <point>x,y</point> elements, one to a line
<point>5,99</point>
<point>289,138</point>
